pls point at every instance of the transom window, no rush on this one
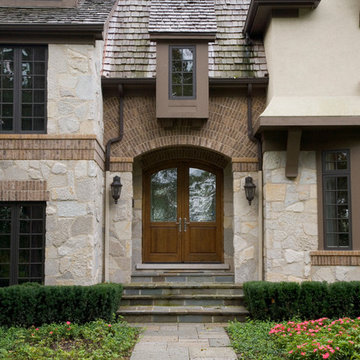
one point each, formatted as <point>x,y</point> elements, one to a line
<point>23,89</point>
<point>182,72</point>
<point>22,240</point>
<point>336,195</point>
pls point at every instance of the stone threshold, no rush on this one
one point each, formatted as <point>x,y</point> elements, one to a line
<point>182,266</point>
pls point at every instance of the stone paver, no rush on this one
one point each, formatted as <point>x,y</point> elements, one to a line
<point>183,342</point>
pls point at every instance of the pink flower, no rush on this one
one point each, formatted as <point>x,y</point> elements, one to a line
<point>303,354</point>
<point>351,342</point>
<point>109,325</point>
<point>68,323</point>
<point>325,356</point>
<point>315,350</point>
<point>291,351</point>
<point>50,332</point>
<point>37,329</point>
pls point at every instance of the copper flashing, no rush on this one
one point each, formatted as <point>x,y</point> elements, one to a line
<point>260,12</point>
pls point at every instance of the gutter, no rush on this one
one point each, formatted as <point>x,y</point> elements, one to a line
<point>260,11</point>
<point>107,180</point>
<point>257,140</point>
<point>78,30</point>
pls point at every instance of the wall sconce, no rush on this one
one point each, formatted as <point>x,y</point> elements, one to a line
<point>249,189</point>
<point>116,188</point>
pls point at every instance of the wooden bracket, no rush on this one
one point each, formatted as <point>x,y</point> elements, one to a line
<point>292,153</point>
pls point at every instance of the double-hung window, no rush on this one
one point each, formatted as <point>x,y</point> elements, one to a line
<point>22,242</point>
<point>336,200</point>
<point>23,72</point>
<point>182,72</point>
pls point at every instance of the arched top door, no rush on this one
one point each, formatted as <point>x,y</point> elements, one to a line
<point>183,213</point>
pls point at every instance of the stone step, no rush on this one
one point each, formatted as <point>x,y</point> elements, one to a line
<point>161,289</point>
<point>182,300</point>
<point>184,277</point>
<point>193,314</point>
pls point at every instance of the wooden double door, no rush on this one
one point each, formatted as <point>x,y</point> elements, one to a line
<point>182,218</point>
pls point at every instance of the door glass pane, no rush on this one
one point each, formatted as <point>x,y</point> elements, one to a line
<point>164,195</point>
<point>202,195</point>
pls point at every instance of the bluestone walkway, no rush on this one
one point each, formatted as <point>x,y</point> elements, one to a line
<point>183,341</point>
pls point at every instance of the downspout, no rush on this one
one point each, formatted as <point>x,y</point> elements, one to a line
<point>107,182</point>
<point>257,140</point>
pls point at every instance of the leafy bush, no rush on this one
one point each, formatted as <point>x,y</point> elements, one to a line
<point>319,339</point>
<point>94,340</point>
<point>27,305</point>
<point>310,299</point>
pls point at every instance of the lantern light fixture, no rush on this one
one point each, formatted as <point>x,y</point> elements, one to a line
<point>116,187</point>
<point>249,189</point>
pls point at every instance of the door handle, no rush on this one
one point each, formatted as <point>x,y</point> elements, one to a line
<point>179,224</point>
<point>186,223</point>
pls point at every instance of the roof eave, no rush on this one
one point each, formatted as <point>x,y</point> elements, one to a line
<point>260,12</point>
<point>94,31</point>
<point>182,35</point>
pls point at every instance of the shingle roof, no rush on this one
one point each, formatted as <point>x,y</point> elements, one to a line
<point>129,53</point>
<point>182,16</point>
<point>87,12</point>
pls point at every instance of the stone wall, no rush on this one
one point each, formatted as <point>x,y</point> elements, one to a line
<point>74,89</point>
<point>120,247</point>
<point>74,216</point>
<point>335,273</point>
<point>245,228</point>
<point>290,217</point>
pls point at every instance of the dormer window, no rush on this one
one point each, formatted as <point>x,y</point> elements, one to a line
<point>182,72</point>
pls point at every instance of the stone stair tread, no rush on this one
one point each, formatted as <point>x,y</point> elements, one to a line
<point>203,310</point>
<point>183,296</point>
<point>183,285</point>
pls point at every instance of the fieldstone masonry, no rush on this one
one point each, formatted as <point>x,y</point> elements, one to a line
<point>121,230</point>
<point>245,227</point>
<point>74,89</point>
<point>74,216</point>
<point>290,217</point>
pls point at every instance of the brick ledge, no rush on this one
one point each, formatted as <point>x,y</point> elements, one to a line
<point>335,258</point>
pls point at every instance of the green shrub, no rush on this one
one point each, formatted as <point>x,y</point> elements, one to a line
<point>275,301</point>
<point>27,305</point>
<point>308,300</point>
<point>313,299</point>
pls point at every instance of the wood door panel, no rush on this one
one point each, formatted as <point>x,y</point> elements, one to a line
<point>202,239</point>
<point>169,240</point>
<point>164,240</point>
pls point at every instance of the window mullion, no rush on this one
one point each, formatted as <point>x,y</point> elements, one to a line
<point>17,89</point>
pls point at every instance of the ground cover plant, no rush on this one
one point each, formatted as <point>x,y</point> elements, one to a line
<point>94,340</point>
<point>251,340</point>
<point>314,339</point>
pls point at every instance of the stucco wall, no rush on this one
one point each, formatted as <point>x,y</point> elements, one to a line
<point>74,217</point>
<point>313,61</point>
<point>74,89</point>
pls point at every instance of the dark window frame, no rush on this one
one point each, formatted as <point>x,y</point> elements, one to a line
<point>193,49</point>
<point>15,248</point>
<point>326,174</point>
<point>17,91</point>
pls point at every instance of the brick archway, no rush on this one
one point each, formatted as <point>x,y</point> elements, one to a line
<point>225,132</point>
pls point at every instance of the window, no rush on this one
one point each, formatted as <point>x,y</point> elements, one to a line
<point>182,72</point>
<point>23,89</point>
<point>22,240</point>
<point>336,200</point>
